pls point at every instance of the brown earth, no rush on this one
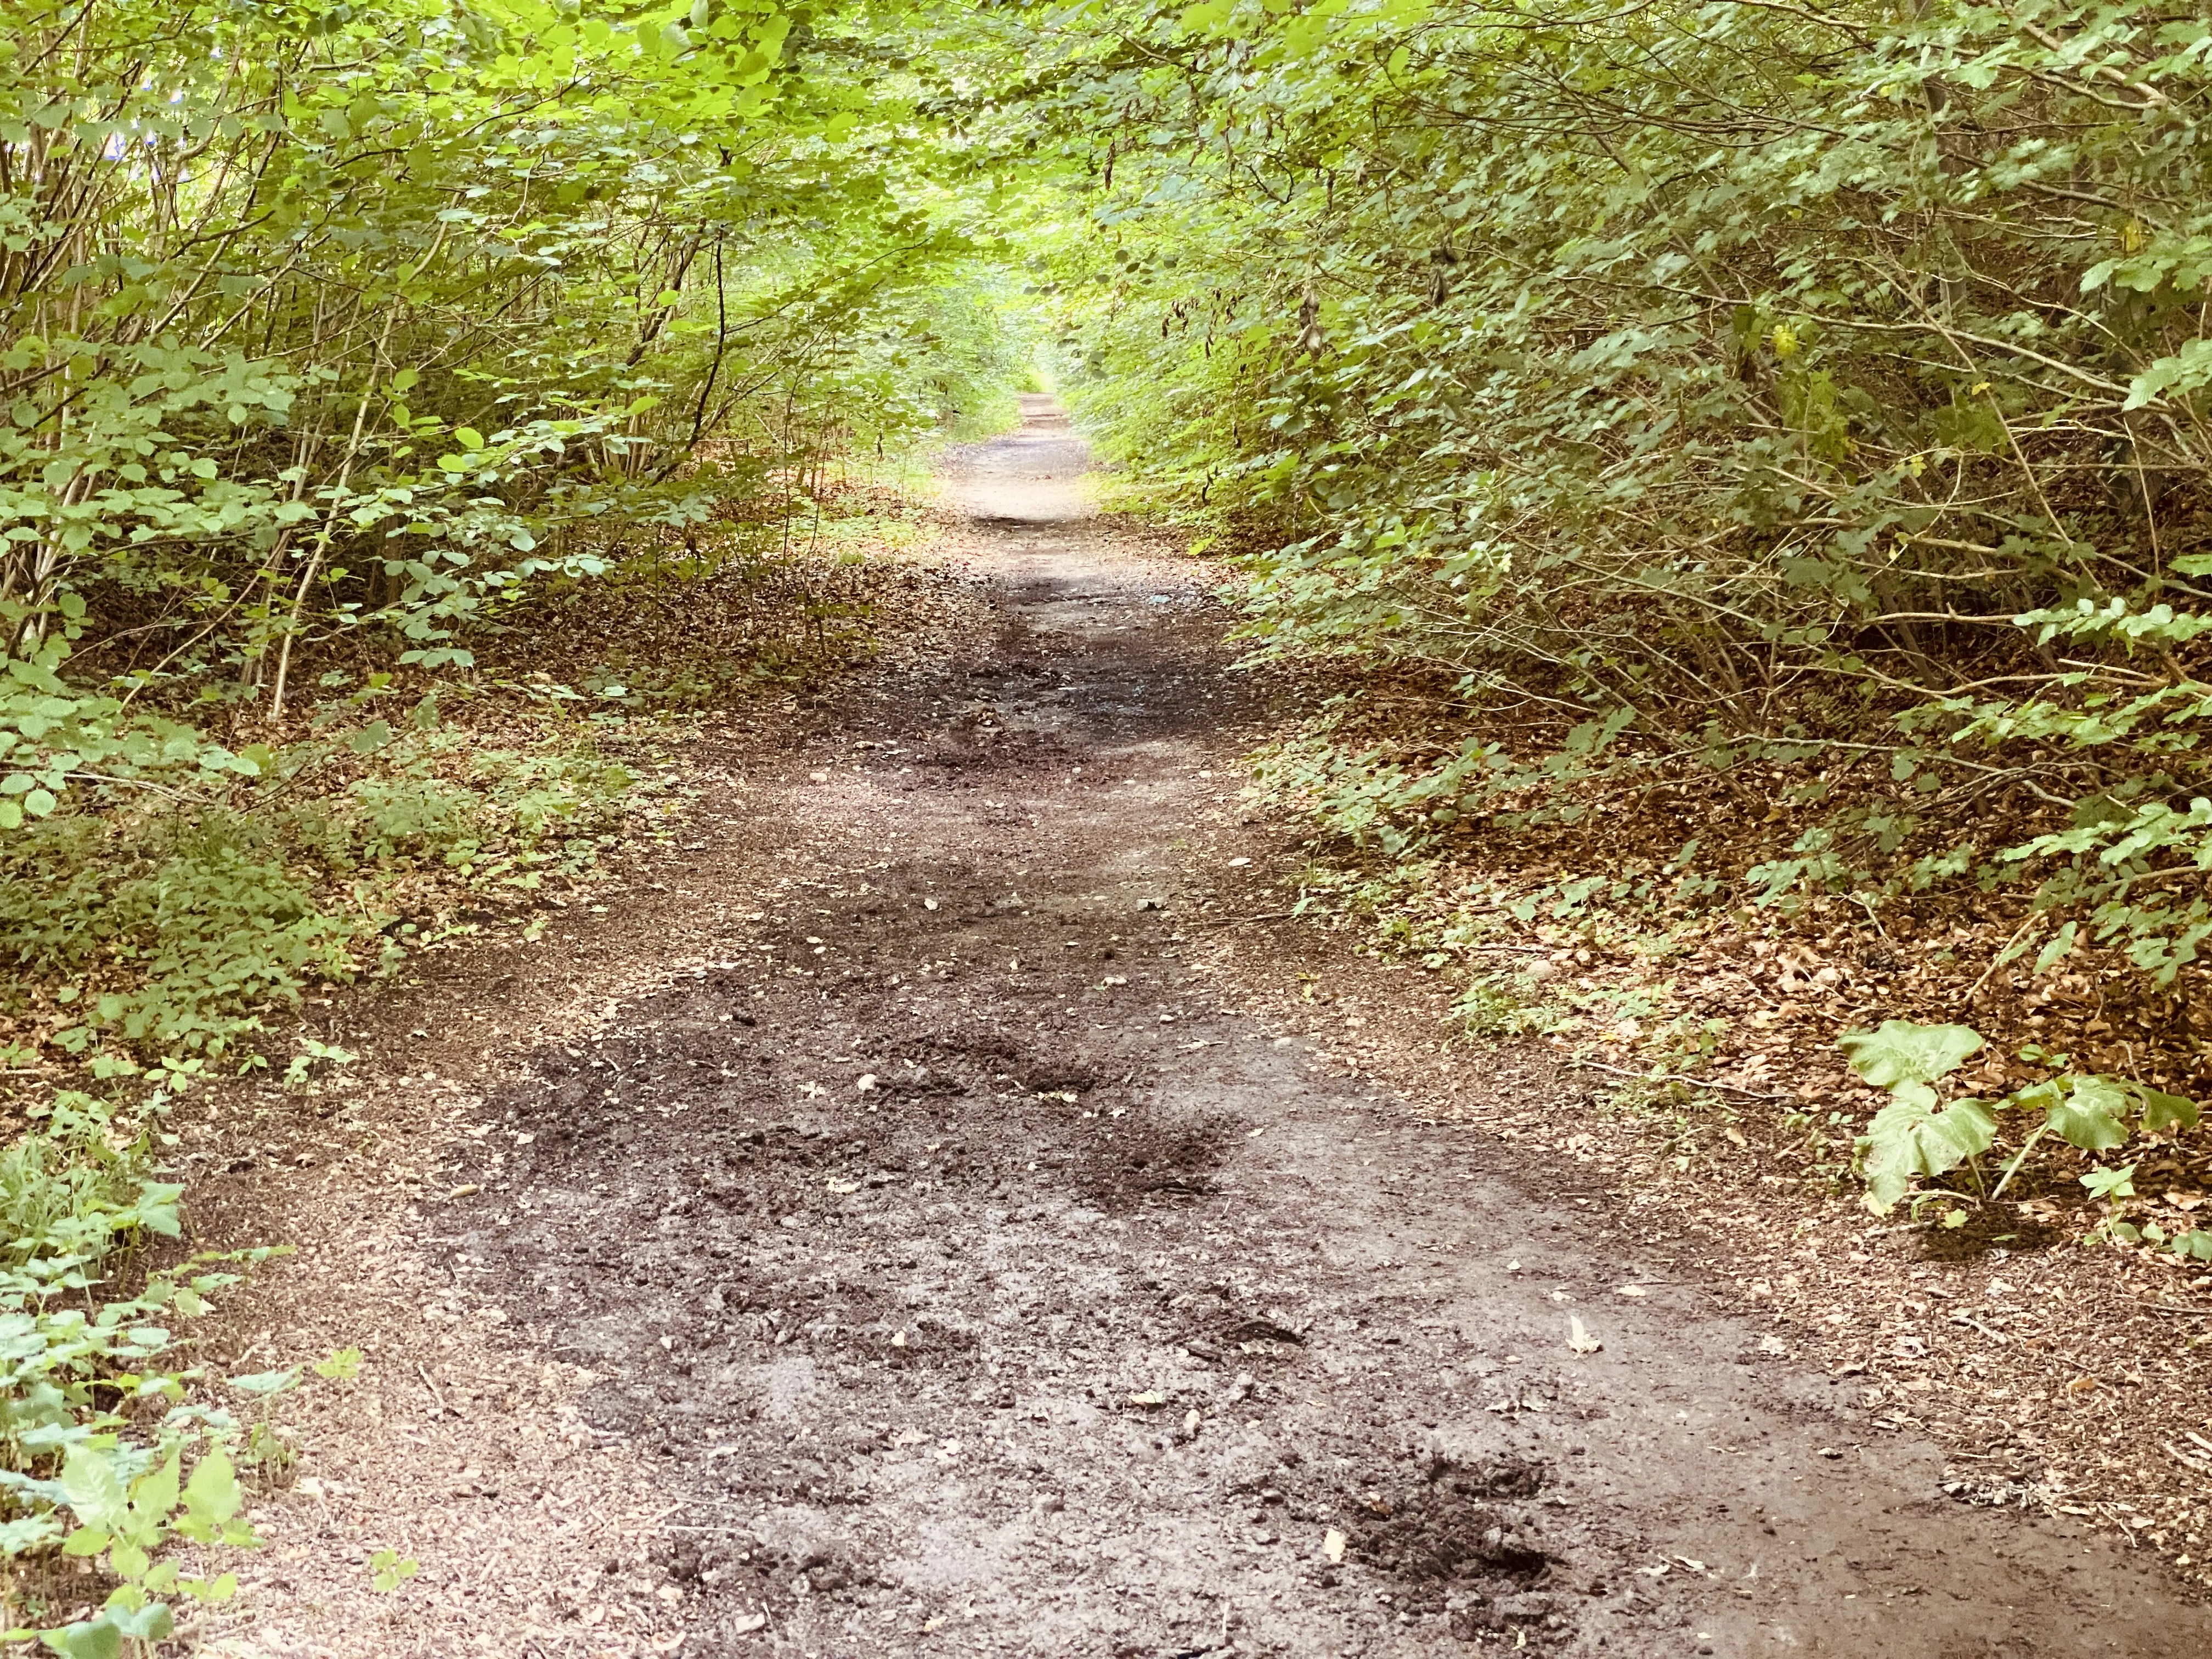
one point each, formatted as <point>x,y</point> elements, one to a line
<point>907,1222</point>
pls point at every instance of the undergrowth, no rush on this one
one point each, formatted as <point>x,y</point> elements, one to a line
<point>114,1448</point>
<point>155,916</point>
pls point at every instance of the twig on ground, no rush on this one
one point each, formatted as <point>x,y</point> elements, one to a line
<point>2196,1464</point>
<point>1675,1077</point>
<point>2003,957</point>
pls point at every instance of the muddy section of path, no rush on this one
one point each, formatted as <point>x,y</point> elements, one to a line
<point>935,1261</point>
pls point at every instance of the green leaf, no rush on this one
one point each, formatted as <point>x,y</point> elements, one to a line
<point>2060,943</point>
<point>155,1493</point>
<point>2161,1112</point>
<point>93,1488</point>
<point>389,1570</point>
<point>468,438</point>
<point>2090,1116</point>
<point>2186,371</point>
<point>1910,1137</point>
<point>211,1496</point>
<point>28,1532</point>
<point>150,1623</point>
<point>1903,1052</point>
<point>94,1638</point>
<point>267,1383</point>
<point>371,737</point>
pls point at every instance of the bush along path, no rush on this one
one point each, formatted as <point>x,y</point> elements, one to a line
<point>913,1220</point>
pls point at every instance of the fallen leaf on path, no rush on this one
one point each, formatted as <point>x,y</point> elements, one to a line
<point>1579,1339</point>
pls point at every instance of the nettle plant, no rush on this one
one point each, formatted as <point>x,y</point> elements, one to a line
<point>1918,1135</point>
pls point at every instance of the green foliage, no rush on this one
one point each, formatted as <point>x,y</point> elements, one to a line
<point>1823,388</point>
<point>312,1054</point>
<point>1901,1052</point>
<point>393,314</point>
<point>389,1570</point>
<point>166,928</point>
<point>329,338</point>
<point>95,1424</point>
<point>1914,1137</point>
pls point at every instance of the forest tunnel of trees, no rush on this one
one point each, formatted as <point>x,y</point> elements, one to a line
<point>1736,470</point>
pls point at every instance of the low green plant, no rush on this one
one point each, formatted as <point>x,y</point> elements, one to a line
<point>314,1054</point>
<point>389,1570</point>
<point>125,1514</point>
<point>104,1453</point>
<point>168,927</point>
<point>1500,1006</point>
<point>1918,1135</point>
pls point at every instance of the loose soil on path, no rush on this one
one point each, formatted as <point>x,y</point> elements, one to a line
<point>907,1222</point>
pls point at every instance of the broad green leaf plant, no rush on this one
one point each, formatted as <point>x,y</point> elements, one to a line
<point>1920,1137</point>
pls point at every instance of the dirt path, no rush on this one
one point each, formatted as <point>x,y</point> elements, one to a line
<point>934,1255</point>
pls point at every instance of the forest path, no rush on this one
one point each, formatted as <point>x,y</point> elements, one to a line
<point>960,1261</point>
